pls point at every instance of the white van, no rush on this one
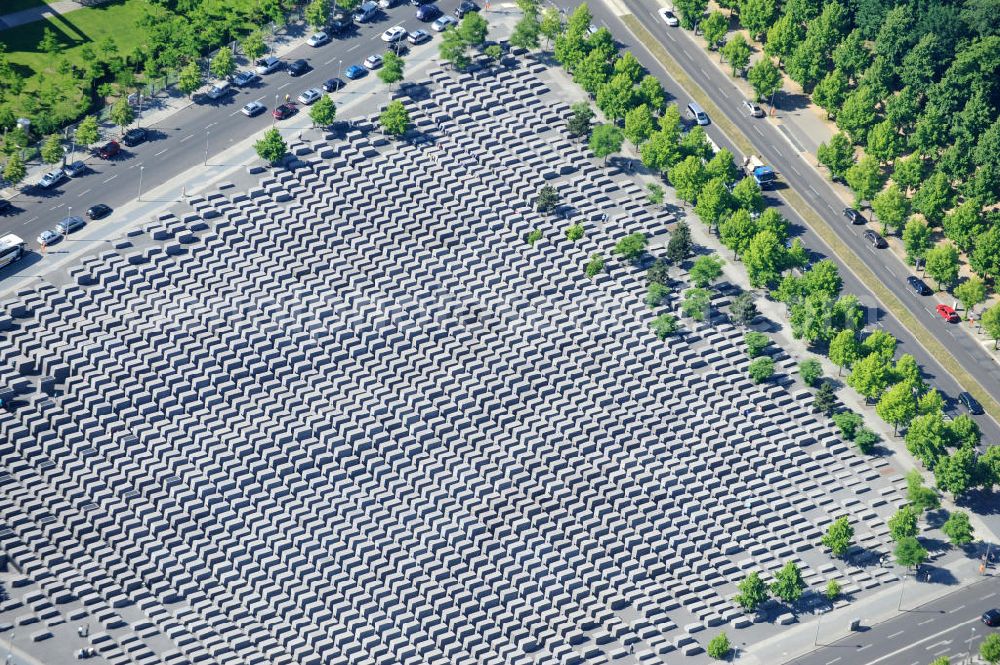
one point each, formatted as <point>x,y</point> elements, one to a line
<point>220,90</point>
<point>366,12</point>
<point>12,248</point>
<point>695,113</point>
<point>268,65</point>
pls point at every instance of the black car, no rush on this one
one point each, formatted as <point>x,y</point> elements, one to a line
<point>970,403</point>
<point>4,205</point>
<point>333,85</point>
<point>340,25</point>
<point>466,7</point>
<point>428,13</point>
<point>134,137</point>
<point>98,211</point>
<point>918,286</point>
<point>876,241</point>
<point>853,216</point>
<point>298,68</point>
<point>991,617</point>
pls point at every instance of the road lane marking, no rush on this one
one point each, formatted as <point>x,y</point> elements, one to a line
<point>862,648</point>
<point>57,207</point>
<point>83,192</point>
<point>189,136</point>
<point>161,152</point>
<point>926,639</point>
<point>283,86</point>
<point>757,129</point>
<point>938,644</point>
<point>688,56</point>
<point>896,634</point>
<point>813,190</point>
<point>831,662</point>
<point>671,37</point>
<point>960,607</point>
<point>704,73</point>
<point>111,178</point>
<point>29,221</point>
<point>776,150</point>
<point>330,60</point>
<point>724,93</point>
<point>212,124</point>
<point>795,169</point>
<point>925,622</point>
<point>988,596</point>
<point>353,47</point>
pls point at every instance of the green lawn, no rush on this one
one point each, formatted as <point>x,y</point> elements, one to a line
<point>11,6</point>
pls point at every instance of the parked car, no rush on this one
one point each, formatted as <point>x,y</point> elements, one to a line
<point>298,67</point>
<point>340,25</point>
<point>669,18</point>
<point>48,237</point>
<point>355,72</point>
<point>428,12</point>
<point>98,211</point>
<point>268,64</point>
<point>466,7</point>
<point>918,286</point>
<point>135,136</point>
<point>948,313</point>
<point>418,37</point>
<point>285,111</point>
<point>245,78</point>
<point>309,96</point>
<point>976,409</point>
<point>875,240</point>
<point>417,3</point>
<point>853,216</point>
<point>444,23</point>
<point>52,178</point>
<point>251,109</point>
<point>373,61</point>
<point>752,109</point>
<point>394,34</point>
<point>75,169</point>
<point>70,224</point>
<point>318,39</point>
<point>109,150</point>
<point>386,4</point>
<point>333,85</point>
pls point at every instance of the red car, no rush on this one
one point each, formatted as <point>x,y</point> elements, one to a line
<point>948,314</point>
<point>285,111</point>
<point>109,150</point>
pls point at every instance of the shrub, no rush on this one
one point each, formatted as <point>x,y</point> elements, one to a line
<point>848,423</point>
<point>574,232</point>
<point>865,439</point>
<point>664,325</point>
<point>534,237</point>
<point>719,647</point>
<point>832,592</point>
<point>756,343</point>
<point>761,369</point>
<point>656,294</point>
<point>810,370</point>
<point>595,265</point>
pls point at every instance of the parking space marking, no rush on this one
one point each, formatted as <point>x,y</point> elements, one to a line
<point>353,47</point>
<point>165,149</point>
<point>960,607</point>
<point>111,178</point>
<point>57,207</point>
<point>29,221</point>
<point>988,596</point>
<point>284,85</point>
<point>187,137</point>
<point>862,648</point>
<point>84,192</point>
<point>896,634</point>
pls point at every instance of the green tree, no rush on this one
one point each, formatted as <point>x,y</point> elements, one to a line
<point>748,196</point>
<point>639,125</point>
<point>825,400</point>
<point>880,343</point>
<point>942,264</point>
<point>271,147</point>
<point>892,208</point>
<point>189,79</point>
<point>857,114</point>
<point>985,258</point>
<point>52,152</point>
<point>658,273</point>
<point>921,497</point>
<point>602,42</point>
<point>318,13</point>
<point>737,230</point>
<point>654,193</point>
<point>964,431</point>
<point>958,529</point>
<point>722,166</point>
<point>837,155</point>
<point>752,592</point>
<point>761,369</point>
<point>629,65</point>
<point>823,277</point>
<point>737,52</point>
<point>719,647</point>
<point>323,112</point>
<point>989,649</point>
<point>764,259</point>
<point>122,113</point>
<point>705,270</point>
<point>832,591</point>
<point>579,122</point>
<point>897,406</point>
<point>742,308</point>
<point>679,245</point>
<point>964,224</point>
<point>764,77</point>
<point>714,28</point>
<point>534,236</point>
<point>660,152</point>
<point>864,179</point>
<point>755,343</point>
<point>714,202</point>
<point>990,320</point>
<point>989,468</point>
<point>885,143</point>
<point>595,265</point>
<point>656,295</point>
<point>757,16</point>
<point>592,72</point>
<point>839,537</point>
<point>697,303</point>
<point>551,26</point>
<point>782,38</point>
<point>907,371</point>
<point>605,140</point>
<point>695,143</point>
<point>830,92</point>
<point>223,64</point>
<point>473,28</point>
<point>688,177</point>
<point>14,170</point>
<point>392,68</point>
<point>616,97</point>
<point>664,325</point>
<point>926,438</point>
<point>253,45</point>
<point>851,56</point>
<point>49,43</point>
<point>844,349</point>
<point>651,92</point>
<point>910,553</point>
<point>903,524</point>
<point>916,240</point>
<point>574,232</point>
<point>453,49</point>
<point>788,584</point>
<point>869,376</point>
<point>796,256</point>
<point>849,423</point>
<point>571,43</point>
<point>908,173</point>
<point>934,197</point>
<point>631,247</point>
<point>957,473</point>
<point>394,119</point>
<point>690,12</point>
<point>548,199</point>
<point>526,33</point>
<point>930,402</point>
<point>87,132</point>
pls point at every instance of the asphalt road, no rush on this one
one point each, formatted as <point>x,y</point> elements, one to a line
<point>795,173</point>
<point>189,138</point>
<point>949,626</point>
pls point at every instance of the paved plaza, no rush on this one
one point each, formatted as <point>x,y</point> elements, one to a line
<point>349,415</point>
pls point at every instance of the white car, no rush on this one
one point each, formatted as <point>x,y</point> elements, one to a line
<point>52,178</point>
<point>669,18</point>
<point>48,237</point>
<point>309,96</point>
<point>443,23</point>
<point>418,37</point>
<point>318,39</point>
<point>373,61</point>
<point>251,109</point>
<point>752,109</point>
<point>394,34</point>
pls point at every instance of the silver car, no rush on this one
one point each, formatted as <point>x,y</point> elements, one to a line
<point>48,237</point>
<point>309,96</point>
<point>52,178</point>
<point>752,109</point>
<point>70,224</point>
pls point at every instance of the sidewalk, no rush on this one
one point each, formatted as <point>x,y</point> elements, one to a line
<point>33,14</point>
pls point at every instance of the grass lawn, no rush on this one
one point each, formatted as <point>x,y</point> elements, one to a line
<point>82,26</point>
<point>11,6</point>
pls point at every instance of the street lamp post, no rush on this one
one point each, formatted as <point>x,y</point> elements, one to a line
<point>141,168</point>
<point>902,585</point>
<point>206,147</point>
<point>339,63</point>
<point>274,118</point>
<point>972,636</point>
